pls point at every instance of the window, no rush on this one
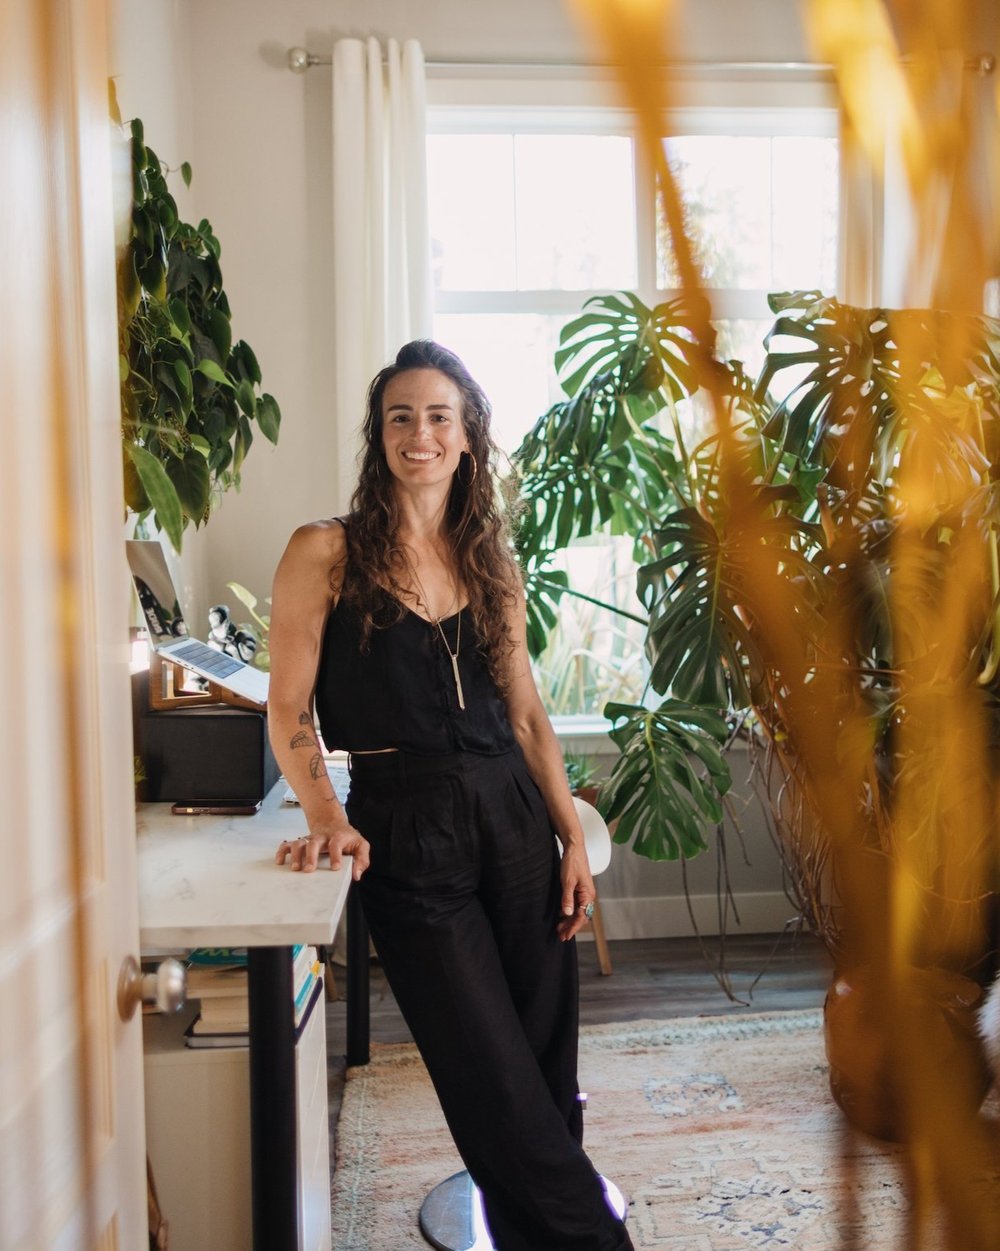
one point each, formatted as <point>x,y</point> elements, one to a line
<point>534,209</point>
<point>525,226</point>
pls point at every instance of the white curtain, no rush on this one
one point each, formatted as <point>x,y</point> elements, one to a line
<point>382,283</point>
<point>928,239</point>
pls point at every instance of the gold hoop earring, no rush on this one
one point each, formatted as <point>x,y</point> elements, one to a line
<point>475,470</point>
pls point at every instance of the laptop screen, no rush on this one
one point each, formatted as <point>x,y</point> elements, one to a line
<point>155,589</point>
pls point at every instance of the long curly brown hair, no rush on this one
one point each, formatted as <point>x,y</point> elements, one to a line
<point>476,518</point>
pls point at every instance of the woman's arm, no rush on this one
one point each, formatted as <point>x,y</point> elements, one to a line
<point>544,759</point>
<point>300,602</point>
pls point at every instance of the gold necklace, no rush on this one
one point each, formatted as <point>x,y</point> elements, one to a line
<point>452,655</point>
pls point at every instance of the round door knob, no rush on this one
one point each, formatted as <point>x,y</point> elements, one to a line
<point>166,987</point>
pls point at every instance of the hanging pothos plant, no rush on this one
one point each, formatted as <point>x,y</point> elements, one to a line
<point>190,395</point>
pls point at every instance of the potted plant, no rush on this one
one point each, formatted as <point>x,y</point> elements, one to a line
<point>820,575</point>
<point>191,396</point>
<point>580,773</point>
<point>260,627</point>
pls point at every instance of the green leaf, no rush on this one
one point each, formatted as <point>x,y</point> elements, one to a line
<point>211,370</point>
<point>667,786</point>
<point>243,594</point>
<point>244,437</point>
<point>248,361</point>
<point>543,589</point>
<point>186,173</point>
<point>160,491</point>
<point>179,316</point>
<point>190,478</point>
<point>136,498</point>
<point>246,398</point>
<point>183,375</point>
<point>268,417</point>
<point>221,331</point>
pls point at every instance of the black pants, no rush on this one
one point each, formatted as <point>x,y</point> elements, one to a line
<point>462,899</point>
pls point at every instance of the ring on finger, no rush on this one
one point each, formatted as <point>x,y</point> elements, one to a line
<point>588,910</point>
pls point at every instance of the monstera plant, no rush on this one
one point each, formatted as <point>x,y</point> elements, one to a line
<point>817,573</point>
<point>190,395</point>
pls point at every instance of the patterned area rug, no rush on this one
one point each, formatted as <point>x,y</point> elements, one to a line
<point>720,1132</point>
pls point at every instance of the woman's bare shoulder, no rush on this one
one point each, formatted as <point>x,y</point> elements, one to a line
<point>318,542</point>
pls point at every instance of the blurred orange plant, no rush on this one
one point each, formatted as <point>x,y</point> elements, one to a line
<point>887,775</point>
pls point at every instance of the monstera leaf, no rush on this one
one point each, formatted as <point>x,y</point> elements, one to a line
<point>860,370</point>
<point>668,784</point>
<point>621,490</point>
<point>599,459</point>
<point>620,336</point>
<point>700,644</point>
<point>543,589</point>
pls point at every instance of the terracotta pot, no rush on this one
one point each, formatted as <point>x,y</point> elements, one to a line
<point>862,1044</point>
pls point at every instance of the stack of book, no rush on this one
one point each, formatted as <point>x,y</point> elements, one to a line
<point>217,978</point>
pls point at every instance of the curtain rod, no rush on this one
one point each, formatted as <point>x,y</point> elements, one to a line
<point>299,60</point>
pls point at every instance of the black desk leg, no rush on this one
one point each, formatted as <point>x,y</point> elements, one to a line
<point>358,1013</point>
<point>273,1154</point>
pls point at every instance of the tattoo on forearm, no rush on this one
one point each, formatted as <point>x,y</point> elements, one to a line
<point>307,738</point>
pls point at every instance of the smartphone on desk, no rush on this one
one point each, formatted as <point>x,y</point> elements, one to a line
<point>207,807</point>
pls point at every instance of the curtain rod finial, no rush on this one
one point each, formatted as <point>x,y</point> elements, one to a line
<point>298,60</point>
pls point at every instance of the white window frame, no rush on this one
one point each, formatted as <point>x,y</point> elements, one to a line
<point>568,104</point>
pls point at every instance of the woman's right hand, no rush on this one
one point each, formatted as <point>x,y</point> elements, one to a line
<point>304,853</point>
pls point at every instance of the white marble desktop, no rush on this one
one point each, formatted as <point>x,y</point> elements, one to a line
<point>211,881</point>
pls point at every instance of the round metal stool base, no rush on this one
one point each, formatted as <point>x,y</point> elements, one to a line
<point>451,1217</point>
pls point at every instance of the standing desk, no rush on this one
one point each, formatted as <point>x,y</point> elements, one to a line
<point>211,881</point>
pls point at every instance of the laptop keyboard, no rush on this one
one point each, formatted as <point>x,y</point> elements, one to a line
<point>208,658</point>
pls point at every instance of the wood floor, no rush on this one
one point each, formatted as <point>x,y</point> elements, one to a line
<point>651,978</point>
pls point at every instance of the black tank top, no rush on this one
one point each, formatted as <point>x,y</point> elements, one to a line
<point>401,691</point>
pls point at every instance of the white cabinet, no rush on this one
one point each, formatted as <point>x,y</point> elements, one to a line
<point>198,1135</point>
<point>312,1101</point>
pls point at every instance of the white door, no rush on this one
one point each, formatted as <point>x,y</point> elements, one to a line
<point>72,1154</point>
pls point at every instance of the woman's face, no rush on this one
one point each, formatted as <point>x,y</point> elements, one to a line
<point>423,434</point>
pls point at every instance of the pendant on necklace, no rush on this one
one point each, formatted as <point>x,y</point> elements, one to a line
<point>453,657</point>
<point>458,681</point>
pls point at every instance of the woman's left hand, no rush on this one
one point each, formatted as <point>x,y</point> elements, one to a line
<point>577,892</point>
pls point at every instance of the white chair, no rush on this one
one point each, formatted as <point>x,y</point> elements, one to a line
<point>597,838</point>
<point>451,1217</point>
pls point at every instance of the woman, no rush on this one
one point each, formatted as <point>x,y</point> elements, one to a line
<point>405,622</point>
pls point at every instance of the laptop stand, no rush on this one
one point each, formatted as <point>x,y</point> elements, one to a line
<point>166,681</point>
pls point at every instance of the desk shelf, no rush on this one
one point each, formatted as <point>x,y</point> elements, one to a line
<point>198,1134</point>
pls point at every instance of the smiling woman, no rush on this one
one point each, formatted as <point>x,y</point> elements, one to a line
<point>405,621</point>
<point>423,429</point>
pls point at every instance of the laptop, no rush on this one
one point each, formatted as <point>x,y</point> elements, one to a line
<point>168,632</point>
